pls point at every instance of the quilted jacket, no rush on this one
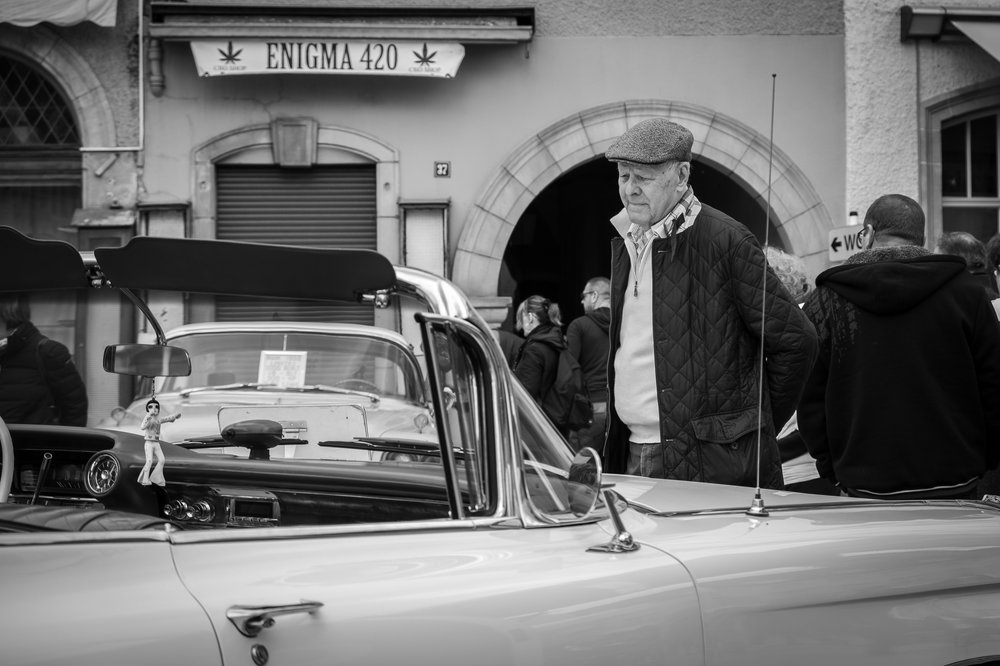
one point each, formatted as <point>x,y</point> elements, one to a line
<point>707,324</point>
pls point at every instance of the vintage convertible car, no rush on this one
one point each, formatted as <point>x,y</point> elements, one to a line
<point>496,545</point>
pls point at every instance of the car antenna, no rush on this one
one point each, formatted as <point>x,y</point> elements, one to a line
<point>757,507</point>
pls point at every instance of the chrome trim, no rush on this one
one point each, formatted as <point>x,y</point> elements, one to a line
<point>262,498</point>
<point>352,330</point>
<point>621,541</point>
<point>48,538</point>
<point>445,299</point>
<point>91,468</point>
<point>325,531</point>
<point>141,306</point>
<point>251,620</point>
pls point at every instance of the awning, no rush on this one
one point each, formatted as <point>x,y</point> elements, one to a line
<point>192,21</point>
<point>987,35</point>
<point>263,37</point>
<point>26,13</point>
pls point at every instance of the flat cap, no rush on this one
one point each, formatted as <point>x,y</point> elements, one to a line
<point>652,141</point>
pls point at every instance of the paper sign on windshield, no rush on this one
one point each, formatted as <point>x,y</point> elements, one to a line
<point>282,368</point>
<point>249,56</point>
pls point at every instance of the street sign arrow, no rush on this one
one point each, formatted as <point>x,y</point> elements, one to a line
<point>846,241</point>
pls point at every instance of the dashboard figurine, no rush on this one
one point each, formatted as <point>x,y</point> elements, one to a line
<point>151,427</point>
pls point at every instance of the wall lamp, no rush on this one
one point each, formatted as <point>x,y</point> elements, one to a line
<point>921,22</point>
<point>936,22</point>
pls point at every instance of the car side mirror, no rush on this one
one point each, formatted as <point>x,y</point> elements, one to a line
<point>584,481</point>
<point>140,360</point>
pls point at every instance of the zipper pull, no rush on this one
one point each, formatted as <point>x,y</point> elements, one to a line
<point>635,290</point>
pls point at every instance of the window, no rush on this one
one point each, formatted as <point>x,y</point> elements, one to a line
<point>32,111</point>
<point>970,183</point>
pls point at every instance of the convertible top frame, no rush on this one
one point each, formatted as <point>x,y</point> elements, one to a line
<point>186,264</point>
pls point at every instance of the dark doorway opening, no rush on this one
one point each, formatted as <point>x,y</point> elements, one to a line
<point>562,239</point>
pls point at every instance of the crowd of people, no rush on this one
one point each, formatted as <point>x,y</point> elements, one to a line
<point>711,358</point>
<point>707,357</point>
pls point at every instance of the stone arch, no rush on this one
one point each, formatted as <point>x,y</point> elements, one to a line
<point>731,146</point>
<point>73,75</point>
<point>334,145</point>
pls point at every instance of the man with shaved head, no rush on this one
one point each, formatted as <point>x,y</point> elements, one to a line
<point>904,399</point>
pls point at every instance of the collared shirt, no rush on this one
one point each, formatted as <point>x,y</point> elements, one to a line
<point>688,207</point>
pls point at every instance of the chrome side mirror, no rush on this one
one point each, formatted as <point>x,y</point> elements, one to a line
<point>584,481</point>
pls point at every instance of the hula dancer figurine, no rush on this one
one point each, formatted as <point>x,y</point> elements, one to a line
<point>151,427</point>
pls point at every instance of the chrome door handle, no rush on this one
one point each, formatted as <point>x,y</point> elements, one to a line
<point>250,620</point>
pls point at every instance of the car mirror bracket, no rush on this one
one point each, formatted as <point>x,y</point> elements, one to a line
<point>621,541</point>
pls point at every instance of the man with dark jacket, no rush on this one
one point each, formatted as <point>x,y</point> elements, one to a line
<point>38,381</point>
<point>904,400</point>
<point>587,340</point>
<point>708,348</point>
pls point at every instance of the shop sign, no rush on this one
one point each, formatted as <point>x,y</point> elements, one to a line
<point>253,56</point>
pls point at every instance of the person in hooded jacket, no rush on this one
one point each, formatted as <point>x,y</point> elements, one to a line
<point>904,400</point>
<point>510,341</point>
<point>39,383</point>
<point>588,342</point>
<point>536,360</point>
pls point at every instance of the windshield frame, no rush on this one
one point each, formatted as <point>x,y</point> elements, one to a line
<point>395,353</point>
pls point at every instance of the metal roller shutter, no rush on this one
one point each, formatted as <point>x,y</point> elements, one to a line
<point>325,206</point>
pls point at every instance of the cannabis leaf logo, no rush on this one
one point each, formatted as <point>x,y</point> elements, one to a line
<point>230,57</point>
<point>425,58</point>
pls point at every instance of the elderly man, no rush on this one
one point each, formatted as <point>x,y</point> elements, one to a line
<point>693,303</point>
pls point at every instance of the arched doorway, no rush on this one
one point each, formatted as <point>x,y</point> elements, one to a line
<point>745,157</point>
<point>561,239</point>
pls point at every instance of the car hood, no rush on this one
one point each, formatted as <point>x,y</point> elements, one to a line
<point>667,495</point>
<point>915,571</point>
<point>681,515</point>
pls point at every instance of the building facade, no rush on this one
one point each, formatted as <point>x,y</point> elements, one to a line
<point>470,142</point>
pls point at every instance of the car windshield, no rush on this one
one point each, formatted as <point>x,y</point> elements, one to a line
<point>297,360</point>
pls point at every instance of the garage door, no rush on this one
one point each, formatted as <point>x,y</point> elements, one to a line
<point>325,206</point>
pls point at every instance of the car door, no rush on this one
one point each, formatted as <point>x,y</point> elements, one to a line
<point>97,598</point>
<point>490,585</point>
<point>450,594</point>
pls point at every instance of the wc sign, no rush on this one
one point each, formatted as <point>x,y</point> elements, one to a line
<point>846,241</point>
